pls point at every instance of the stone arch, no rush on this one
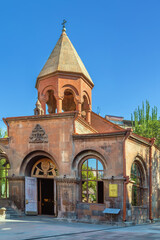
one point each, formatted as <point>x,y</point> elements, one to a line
<point>44,168</point>
<point>49,99</point>
<point>31,158</point>
<point>69,87</point>
<point>139,160</point>
<point>90,166</point>
<point>87,96</point>
<point>83,155</point>
<point>138,194</point>
<point>50,87</point>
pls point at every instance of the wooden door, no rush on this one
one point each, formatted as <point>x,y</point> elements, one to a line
<point>31,196</point>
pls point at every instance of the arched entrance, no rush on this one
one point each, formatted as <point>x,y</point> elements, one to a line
<point>40,170</point>
<point>45,171</point>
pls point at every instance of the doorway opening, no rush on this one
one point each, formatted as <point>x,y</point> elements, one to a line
<point>46,196</point>
<point>43,193</point>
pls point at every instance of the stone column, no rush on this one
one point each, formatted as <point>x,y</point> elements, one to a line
<point>79,107</point>
<point>88,116</point>
<point>43,105</point>
<point>59,104</point>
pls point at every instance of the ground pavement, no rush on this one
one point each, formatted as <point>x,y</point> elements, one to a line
<point>47,228</point>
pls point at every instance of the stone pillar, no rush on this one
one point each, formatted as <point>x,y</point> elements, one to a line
<point>59,105</point>
<point>43,105</point>
<point>88,116</point>
<point>79,107</point>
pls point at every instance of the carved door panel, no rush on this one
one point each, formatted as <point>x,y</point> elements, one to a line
<point>31,196</point>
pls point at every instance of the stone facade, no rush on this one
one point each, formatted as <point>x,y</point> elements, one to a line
<point>57,148</point>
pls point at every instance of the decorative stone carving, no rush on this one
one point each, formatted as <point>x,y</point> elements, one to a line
<point>44,168</point>
<point>38,110</point>
<point>38,135</point>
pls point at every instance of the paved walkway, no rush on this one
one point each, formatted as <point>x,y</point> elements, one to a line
<point>47,228</point>
<point>41,227</point>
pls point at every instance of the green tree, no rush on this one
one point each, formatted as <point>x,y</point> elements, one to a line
<point>4,166</point>
<point>145,122</point>
<point>90,179</point>
<point>3,133</point>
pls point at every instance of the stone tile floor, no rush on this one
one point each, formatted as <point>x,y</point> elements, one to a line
<point>48,228</point>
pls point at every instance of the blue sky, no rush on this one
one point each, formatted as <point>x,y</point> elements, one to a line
<point>118,41</point>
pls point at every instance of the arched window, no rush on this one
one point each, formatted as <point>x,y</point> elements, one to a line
<point>91,178</point>
<point>85,107</point>
<point>44,168</point>
<point>51,102</point>
<point>138,182</point>
<point>4,186</point>
<point>68,103</point>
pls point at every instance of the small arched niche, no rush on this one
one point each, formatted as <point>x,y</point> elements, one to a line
<point>51,102</point>
<point>68,103</point>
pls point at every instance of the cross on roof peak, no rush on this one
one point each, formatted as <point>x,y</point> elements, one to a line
<point>63,24</point>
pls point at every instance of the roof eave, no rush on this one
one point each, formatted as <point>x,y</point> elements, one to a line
<point>87,80</point>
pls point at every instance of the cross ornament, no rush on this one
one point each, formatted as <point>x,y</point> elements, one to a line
<point>63,23</point>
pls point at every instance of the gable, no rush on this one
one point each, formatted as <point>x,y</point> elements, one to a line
<point>102,125</point>
<point>82,127</point>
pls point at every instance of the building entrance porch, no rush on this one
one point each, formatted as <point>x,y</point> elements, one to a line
<point>40,187</point>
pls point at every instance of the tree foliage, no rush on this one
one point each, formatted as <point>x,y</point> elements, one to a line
<point>145,122</point>
<point>3,133</point>
<point>4,166</point>
<point>89,180</point>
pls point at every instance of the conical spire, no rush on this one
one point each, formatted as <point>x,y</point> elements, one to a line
<point>64,58</point>
<point>38,103</point>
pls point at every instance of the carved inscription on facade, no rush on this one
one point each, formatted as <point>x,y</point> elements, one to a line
<point>38,135</point>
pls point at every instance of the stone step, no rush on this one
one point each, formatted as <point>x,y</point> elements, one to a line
<point>11,209</point>
<point>12,213</point>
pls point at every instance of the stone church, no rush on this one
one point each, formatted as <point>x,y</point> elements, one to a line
<point>69,162</point>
